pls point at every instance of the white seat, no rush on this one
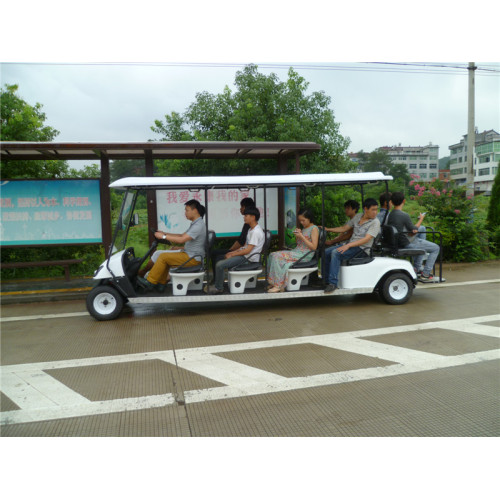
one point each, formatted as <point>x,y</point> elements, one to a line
<point>182,282</point>
<point>239,280</point>
<point>298,277</point>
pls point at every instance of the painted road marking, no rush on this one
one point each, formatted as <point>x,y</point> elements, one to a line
<point>43,316</point>
<point>40,397</point>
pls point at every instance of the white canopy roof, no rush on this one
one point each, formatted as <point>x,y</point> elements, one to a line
<point>248,181</point>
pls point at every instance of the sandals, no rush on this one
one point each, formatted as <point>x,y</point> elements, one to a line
<point>276,289</point>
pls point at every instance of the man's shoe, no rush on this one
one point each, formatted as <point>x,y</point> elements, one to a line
<point>211,290</point>
<point>145,284</point>
<point>426,279</point>
<point>330,288</point>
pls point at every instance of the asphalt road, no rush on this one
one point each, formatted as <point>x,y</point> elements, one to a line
<point>339,366</point>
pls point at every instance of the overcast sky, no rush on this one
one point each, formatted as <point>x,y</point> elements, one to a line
<point>375,105</point>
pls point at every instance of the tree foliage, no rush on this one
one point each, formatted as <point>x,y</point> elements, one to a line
<point>20,121</point>
<point>493,219</point>
<point>261,108</point>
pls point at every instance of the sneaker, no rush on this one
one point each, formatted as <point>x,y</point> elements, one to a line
<point>211,290</point>
<point>144,283</point>
<point>426,279</point>
<point>330,288</point>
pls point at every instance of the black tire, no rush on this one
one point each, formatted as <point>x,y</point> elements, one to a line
<point>396,289</point>
<point>104,303</point>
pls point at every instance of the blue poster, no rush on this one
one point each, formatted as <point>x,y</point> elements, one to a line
<point>47,212</point>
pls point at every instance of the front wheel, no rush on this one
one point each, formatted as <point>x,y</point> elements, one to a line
<point>396,289</point>
<point>104,302</point>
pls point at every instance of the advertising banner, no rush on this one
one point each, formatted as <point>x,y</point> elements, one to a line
<point>223,209</point>
<point>48,212</point>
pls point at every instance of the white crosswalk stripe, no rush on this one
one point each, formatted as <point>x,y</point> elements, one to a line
<point>41,397</point>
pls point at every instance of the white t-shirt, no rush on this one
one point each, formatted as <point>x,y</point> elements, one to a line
<point>256,238</point>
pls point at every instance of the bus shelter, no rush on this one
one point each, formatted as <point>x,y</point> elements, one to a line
<point>286,154</point>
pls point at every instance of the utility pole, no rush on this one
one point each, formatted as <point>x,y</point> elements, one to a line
<point>471,133</point>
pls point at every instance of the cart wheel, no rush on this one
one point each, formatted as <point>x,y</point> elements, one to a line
<point>396,289</point>
<point>104,302</point>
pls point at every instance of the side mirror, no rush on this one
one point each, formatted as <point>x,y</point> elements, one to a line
<point>134,221</point>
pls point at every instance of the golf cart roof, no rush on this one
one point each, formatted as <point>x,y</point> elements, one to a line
<point>248,181</point>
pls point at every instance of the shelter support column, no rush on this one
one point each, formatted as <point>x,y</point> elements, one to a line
<point>151,196</point>
<point>105,204</point>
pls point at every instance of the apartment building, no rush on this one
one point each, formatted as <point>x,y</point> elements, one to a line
<point>420,160</point>
<point>486,158</point>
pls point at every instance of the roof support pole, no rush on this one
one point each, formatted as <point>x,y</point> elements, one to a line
<point>150,196</point>
<point>282,170</point>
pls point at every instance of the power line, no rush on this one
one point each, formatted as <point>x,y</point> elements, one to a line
<point>390,67</point>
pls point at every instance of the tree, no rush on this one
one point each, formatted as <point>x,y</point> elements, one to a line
<point>262,108</point>
<point>19,121</point>
<point>493,219</point>
<point>126,168</point>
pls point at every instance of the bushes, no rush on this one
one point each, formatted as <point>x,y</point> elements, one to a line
<point>452,212</point>
<point>92,256</point>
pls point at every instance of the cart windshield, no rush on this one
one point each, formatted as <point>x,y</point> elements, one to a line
<point>123,221</point>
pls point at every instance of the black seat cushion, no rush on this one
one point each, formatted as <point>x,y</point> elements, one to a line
<point>188,269</point>
<point>356,261</point>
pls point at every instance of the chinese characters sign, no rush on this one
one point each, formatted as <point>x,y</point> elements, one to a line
<point>44,212</point>
<point>224,215</point>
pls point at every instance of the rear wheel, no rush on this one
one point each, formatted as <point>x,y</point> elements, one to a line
<point>396,289</point>
<point>104,302</point>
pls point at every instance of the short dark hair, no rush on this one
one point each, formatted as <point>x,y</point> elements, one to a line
<point>384,198</point>
<point>252,211</point>
<point>197,205</point>
<point>397,198</point>
<point>307,213</point>
<point>370,202</point>
<point>247,203</point>
<point>352,204</point>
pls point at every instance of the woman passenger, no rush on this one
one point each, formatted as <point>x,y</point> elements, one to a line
<point>279,262</point>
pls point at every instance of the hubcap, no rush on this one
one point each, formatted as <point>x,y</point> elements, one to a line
<point>104,303</point>
<point>398,289</point>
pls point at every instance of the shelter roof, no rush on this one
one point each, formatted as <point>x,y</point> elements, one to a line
<point>159,150</point>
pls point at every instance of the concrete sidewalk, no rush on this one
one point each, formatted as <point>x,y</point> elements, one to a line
<point>42,290</point>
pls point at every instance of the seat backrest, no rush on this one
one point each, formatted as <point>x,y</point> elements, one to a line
<point>211,240</point>
<point>265,247</point>
<point>389,237</point>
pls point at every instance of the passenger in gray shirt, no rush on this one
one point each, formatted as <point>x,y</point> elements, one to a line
<point>407,232</point>
<point>194,248</point>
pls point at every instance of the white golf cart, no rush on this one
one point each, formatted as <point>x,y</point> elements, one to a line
<point>116,279</point>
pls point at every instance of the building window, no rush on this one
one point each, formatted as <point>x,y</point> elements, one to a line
<point>432,175</point>
<point>422,165</point>
<point>494,170</point>
<point>459,159</point>
<point>413,165</point>
<point>484,159</point>
<point>484,171</point>
<point>423,176</point>
<point>433,165</point>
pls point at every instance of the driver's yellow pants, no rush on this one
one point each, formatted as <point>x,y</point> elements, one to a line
<point>159,272</point>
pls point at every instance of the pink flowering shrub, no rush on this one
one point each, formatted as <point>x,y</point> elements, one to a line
<point>451,213</point>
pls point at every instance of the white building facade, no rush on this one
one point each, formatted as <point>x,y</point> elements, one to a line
<point>420,160</point>
<point>486,158</point>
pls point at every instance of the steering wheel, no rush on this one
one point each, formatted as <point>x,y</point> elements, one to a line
<point>152,248</point>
